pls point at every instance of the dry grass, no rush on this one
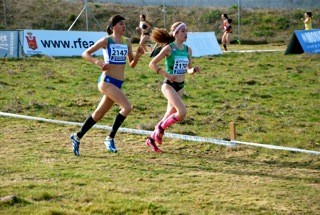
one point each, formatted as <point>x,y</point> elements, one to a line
<point>39,169</point>
<point>257,26</point>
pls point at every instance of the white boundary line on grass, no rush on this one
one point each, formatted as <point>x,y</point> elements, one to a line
<point>253,51</point>
<point>170,135</point>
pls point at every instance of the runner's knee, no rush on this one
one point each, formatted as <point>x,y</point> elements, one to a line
<point>98,115</point>
<point>126,110</point>
<point>182,113</point>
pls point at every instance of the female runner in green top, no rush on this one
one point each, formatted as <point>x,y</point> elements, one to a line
<point>178,59</point>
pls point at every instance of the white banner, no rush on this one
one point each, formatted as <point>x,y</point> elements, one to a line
<point>59,43</point>
<point>203,43</point>
<point>73,43</point>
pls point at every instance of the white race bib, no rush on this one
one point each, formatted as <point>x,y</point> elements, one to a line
<point>180,65</point>
<point>118,53</point>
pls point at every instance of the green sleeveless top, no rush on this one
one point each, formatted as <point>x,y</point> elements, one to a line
<point>177,62</point>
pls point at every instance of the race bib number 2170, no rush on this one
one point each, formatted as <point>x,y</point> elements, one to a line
<point>180,65</point>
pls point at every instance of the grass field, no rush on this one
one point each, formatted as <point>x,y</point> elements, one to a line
<point>272,97</point>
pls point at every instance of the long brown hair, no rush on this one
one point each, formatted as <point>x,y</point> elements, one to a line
<point>162,36</point>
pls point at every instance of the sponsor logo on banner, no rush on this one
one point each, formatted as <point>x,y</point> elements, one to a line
<point>9,45</point>
<point>59,43</point>
<point>4,42</point>
<point>3,38</point>
<point>31,41</point>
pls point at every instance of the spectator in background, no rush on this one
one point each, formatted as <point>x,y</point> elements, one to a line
<point>144,28</point>
<point>178,59</point>
<point>116,49</point>
<point>307,20</point>
<point>226,27</point>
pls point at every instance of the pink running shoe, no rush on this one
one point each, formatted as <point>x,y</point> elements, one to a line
<point>150,142</point>
<point>157,134</point>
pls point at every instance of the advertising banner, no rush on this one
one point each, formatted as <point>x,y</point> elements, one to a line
<point>203,43</point>
<point>59,43</point>
<point>73,43</point>
<point>9,44</point>
<point>307,41</point>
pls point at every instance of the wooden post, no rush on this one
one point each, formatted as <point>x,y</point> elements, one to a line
<point>232,131</point>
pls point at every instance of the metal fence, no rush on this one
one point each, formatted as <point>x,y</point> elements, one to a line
<point>264,4</point>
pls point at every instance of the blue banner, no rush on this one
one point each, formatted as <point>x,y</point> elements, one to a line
<point>309,40</point>
<point>9,44</point>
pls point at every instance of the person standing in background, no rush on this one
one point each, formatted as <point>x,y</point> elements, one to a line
<point>307,20</point>
<point>116,49</point>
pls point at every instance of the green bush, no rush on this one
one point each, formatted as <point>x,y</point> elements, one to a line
<point>211,17</point>
<point>274,25</point>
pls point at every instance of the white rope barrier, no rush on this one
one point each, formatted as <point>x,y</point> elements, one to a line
<point>278,147</point>
<point>170,135</point>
